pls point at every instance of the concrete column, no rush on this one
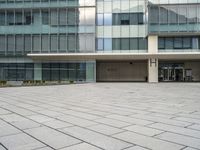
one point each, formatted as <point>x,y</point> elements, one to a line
<point>37,71</point>
<point>153,70</point>
<point>153,62</point>
<point>91,71</point>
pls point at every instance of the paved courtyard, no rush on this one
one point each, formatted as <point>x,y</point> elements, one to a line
<point>96,116</point>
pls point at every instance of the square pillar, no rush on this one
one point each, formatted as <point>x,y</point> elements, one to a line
<point>153,70</point>
<point>152,62</point>
<point>37,71</point>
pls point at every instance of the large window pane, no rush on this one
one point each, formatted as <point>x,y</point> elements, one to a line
<point>54,17</point>
<point>187,44</point>
<point>134,44</point>
<point>63,42</point>
<point>19,44</point>
<point>125,44</point>
<point>124,19</point>
<point>10,18</point>
<point>142,44</point>
<point>2,18</point>
<point>99,19</point>
<point>45,42</point>
<point>169,43</point>
<point>71,17</point>
<point>107,19</point>
<point>161,43</point>
<point>116,44</point>
<point>28,19</point>
<point>2,44</point>
<point>163,15</point>
<point>63,17</point>
<point>10,44</point>
<point>100,44</point>
<point>192,14</point>
<point>107,44</point>
<point>154,15</point>
<point>18,18</point>
<point>71,42</point>
<point>27,43</point>
<point>64,73</point>
<point>173,15</point>
<point>54,43</point>
<point>36,43</point>
<point>178,43</point>
<point>45,17</point>
<point>134,18</point>
<point>182,14</point>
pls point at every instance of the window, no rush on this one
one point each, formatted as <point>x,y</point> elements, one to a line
<point>178,43</point>
<point>187,43</point>
<point>134,44</point>
<point>27,43</point>
<point>99,44</point>
<point>99,19</point>
<point>116,19</point>
<point>18,18</point>
<point>154,15</point>
<point>19,43</point>
<point>45,17</point>
<point>10,44</point>
<point>71,42</point>
<point>182,14</point>
<point>124,19</point>
<point>54,17</point>
<point>71,17</point>
<point>116,44</point>
<point>63,43</point>
<point>161,43</point>
<point>2,44</point>
<point>54,42</point>
<point>125,44</point>
<point>169,43</point>
<point>28,18</point>
<point>63,17</point>
<point>140,18</point>
<point>142,44</point>
<point>2,18</point>
<point>173,15</point>
<point>134,19</point>
<point>45,42</point>
<point>36,43</point>
<point>107,19</point>
<point>10,18</point>
<point>107,44</point>
<point>163,15</point>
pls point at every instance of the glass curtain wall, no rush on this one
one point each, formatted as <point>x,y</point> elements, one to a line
<point>121,26</point>
<point>174,18</point>
<point>47,30</point>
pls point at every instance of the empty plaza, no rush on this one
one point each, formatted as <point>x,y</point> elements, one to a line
<point>101,116</point>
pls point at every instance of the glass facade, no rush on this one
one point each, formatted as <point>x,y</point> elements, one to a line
<point>174,18</point>
<point>121,26</point>
<point>30,29</point>
<point>179,44</point>
<point>47,30</point>
<point>69,71</point>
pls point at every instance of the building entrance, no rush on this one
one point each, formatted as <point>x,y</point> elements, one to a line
<point>171,72</point>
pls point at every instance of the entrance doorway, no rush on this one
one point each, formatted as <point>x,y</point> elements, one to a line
<point>171,72</point>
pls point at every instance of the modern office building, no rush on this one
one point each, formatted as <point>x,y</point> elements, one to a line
<point>100,40</point>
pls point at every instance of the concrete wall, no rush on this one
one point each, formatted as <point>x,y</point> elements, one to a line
<point>195,66</point>
<point>121,71</point>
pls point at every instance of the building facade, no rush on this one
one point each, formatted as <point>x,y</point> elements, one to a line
<point>100,40</point>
